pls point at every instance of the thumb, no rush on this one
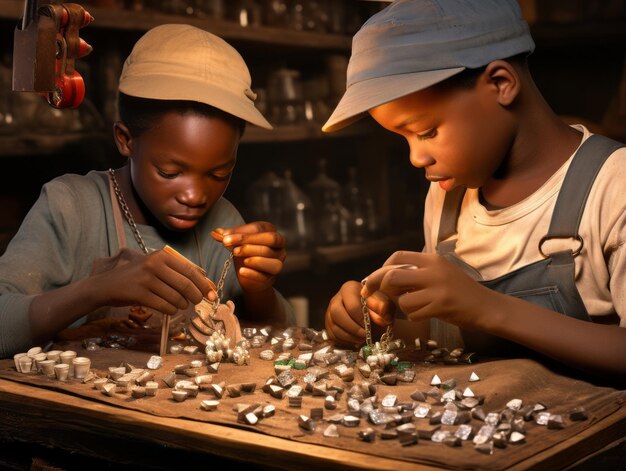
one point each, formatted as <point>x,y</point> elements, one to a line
<point>381,309</point>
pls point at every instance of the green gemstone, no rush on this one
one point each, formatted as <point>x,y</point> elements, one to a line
<point>367,351</point>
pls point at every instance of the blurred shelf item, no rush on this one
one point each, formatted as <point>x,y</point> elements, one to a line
<point>603,33</point>
<point>297,260</point>
<point>144,20</point>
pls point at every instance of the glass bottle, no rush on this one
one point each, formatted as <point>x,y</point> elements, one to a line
<point>265,199</point>
<point>297,222</point>
<point>332,219</point>
<point>355,202</point>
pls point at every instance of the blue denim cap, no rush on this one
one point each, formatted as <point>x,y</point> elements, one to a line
<point>413,44</point>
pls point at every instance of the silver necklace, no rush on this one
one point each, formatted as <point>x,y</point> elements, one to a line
<point>135,230</point>
<point>384,344</point>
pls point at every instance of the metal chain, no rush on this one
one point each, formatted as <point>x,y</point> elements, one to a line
<point>142,245</point>
<point>220,283</point>
<point>127,215</point>
<point>384,344</point>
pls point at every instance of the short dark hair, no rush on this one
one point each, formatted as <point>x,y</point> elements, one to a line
<point>142,114</point>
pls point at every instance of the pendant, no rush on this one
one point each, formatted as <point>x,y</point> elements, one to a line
<point>139,315</point>
<point>211,317</point>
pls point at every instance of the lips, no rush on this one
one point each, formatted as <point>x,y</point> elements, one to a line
<point>187,217</point>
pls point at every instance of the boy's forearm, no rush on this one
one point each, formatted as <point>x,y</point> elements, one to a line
<point>594,348</point>
<point>53,311</point>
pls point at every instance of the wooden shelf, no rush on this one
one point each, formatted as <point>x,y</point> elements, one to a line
<point>128,20</point>
<point>318,258</point>
<point>303,132</point>
<point>32,143</point>
<point>44,144</point>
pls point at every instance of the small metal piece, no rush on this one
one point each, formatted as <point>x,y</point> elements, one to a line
<point>331,431</point>
<point>468,392</point>
<point>578,413</point>
<point>295,401</point>
<point>155,362</point>
<point>351,421</point>
<point>170,380</point>
<point>305,423</point>
<point>209,405</point>
<point>151,388</point>
<point>330,403</point>
<point>317,413</point>
<point>367,435</point>
<point>179,395</point>
<point>268,410</point>
<point>555,421</point>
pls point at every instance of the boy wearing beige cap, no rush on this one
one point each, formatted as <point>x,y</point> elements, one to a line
<point>525,219</point>
<point>95,242</point>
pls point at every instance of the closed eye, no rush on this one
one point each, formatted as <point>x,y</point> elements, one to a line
<point>427,135</point>
<point>166,174</point>
<point>221,177</point>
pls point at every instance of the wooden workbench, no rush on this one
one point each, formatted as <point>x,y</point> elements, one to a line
<point>77,419</point>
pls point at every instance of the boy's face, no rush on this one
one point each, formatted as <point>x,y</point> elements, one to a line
<point>460,136</point>
<point>182,166</point>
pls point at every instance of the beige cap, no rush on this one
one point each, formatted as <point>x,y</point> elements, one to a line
<point>182,62</point>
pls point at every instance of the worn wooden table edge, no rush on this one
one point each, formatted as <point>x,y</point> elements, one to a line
<point>227,442</point>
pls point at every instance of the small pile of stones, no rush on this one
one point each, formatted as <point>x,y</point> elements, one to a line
<point>62,365</point>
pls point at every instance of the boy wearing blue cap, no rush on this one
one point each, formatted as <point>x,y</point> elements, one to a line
<point>98,243</point>
<point>525,219</point>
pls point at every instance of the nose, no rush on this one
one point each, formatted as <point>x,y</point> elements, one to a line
<point>419,157</point>
<point>193,195</point>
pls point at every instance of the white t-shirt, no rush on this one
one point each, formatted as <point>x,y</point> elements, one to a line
<point>600,269</point>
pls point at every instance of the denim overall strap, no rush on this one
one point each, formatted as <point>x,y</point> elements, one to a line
<point>548,282</point>
<point>580,176</point>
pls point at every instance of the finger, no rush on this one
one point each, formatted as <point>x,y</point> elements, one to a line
<point>398,282</point>
<point>249,228</point>
<point>352,305</point>
<point>180,265</point>
<point>254,275</point>
<point>373,281</point>
<point>156,302</point>
<point>402,257</point>
<point>265,265</point>
<point>415,304</point>
<point>269,239</point>
<point>250,250</point>
<point>218,235</point>
<point>182,285</point>
<point>341,334</point>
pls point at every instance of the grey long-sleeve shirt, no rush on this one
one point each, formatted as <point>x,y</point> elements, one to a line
<point>69,226</point>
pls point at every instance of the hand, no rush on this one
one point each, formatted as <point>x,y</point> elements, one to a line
<point>433,288</point>
<point>344,315</point>
<point>258,253</point>
<point>159,280</point>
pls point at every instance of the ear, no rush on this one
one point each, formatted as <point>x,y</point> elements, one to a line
<point>123,139</point>
<point>506,79</point>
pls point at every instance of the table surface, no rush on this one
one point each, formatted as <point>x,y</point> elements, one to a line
<point>80,425</point>
<point>114,431</point>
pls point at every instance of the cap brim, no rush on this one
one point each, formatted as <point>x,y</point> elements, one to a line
<point>363,96</point>
<point>160,87</point>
